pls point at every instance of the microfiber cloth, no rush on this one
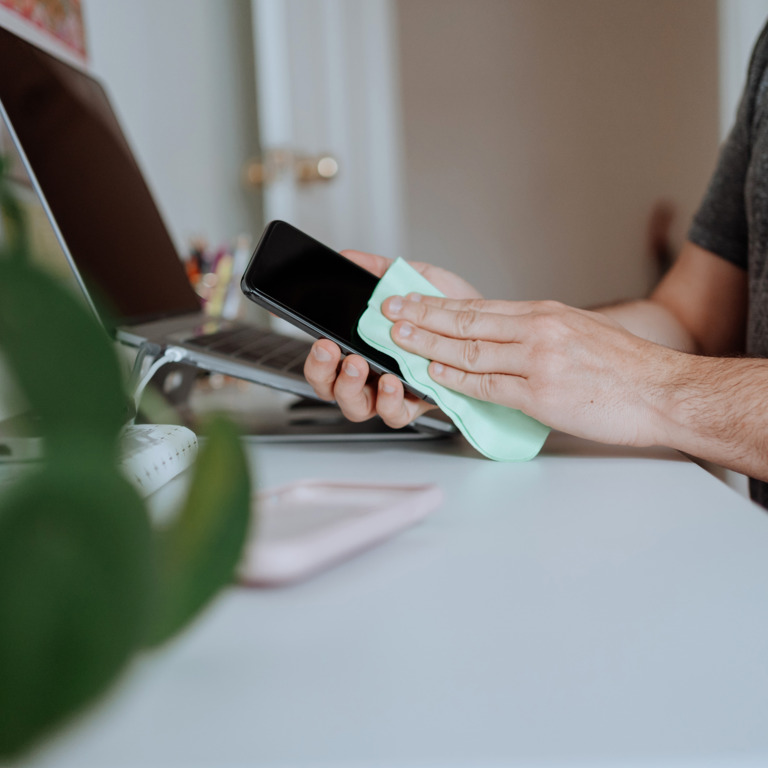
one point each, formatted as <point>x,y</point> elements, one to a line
<point>498,432</point>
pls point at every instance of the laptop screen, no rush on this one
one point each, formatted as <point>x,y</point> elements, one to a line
<point>92,184</point>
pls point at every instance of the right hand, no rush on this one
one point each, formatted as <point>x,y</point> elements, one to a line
<point>358,395</point>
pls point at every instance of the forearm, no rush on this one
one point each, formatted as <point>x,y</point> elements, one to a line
<point>651,320</point>
<point>699,306</point>
<point>715,408</point>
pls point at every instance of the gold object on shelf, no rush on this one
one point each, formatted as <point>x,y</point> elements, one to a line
<point>305,169</point>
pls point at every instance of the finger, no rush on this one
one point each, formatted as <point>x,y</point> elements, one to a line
<point>466,354</point>
<point>355,397</point>
<point>494,306</point>
<point>376,264</point>
<point>456,323</point>
<point>395,407</point>
<point>321,367</point>
<point>504,389</point>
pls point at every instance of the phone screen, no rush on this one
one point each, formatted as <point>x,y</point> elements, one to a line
<point>317,284</point>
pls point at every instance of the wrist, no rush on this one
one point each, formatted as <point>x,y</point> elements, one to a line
<point>675,399</point>
<point>703,405</point>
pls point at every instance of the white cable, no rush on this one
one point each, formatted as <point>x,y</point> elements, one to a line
<point>171,355</point>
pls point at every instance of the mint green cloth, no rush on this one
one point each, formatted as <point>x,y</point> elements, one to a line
<point>498,432</point>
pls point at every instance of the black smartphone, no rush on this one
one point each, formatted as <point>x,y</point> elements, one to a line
<point>316,289</point>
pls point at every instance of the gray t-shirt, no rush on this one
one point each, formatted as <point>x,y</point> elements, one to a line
<point>733,218</point>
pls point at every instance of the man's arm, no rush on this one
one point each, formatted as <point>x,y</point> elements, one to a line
<point>716,402</point>
<point>699,306</point>
<point>715,408</point>
<point>583,373</point>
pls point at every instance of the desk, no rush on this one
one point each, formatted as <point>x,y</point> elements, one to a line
<point>596,606</point>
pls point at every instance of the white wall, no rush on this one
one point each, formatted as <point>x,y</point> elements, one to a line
<point>181,75</point>
<point>539,134</point>
<point>740,24</point>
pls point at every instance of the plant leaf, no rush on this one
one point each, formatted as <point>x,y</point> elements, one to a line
<point>75,584</point>
<point>62,359</point>
<point>197,555</point>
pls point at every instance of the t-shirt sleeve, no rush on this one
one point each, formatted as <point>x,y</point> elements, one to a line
<point>720,225</point>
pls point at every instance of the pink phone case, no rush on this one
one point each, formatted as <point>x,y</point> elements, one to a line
<point>309,525</point>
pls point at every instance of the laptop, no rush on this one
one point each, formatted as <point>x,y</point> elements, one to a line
<point>111,231</point>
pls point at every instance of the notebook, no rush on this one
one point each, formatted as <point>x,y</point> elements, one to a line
<point>111,231</point>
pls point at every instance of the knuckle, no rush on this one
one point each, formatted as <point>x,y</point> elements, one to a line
<point>354,406</point>
<point>470,354</point>
<point>429,344</point>
<point>393,414</point>
<point>419,312</point>
<point>465,321</point>
<point>396,421</point>
<point>323,389</point>
<point>489,386</point>
<point>457,378</point>
<point>549,306</point>
<point>549,325</point>
<point>353,412</point>
<point>323,394</point>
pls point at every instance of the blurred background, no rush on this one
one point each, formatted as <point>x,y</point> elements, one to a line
<point>523,143</point>
<point>540,148</point>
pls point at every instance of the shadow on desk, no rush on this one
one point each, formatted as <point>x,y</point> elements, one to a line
<point>558,444</point>
<point>561,444</point>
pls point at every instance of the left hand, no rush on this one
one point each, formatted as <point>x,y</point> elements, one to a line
<point>359,395</point>
<point>574,370</point>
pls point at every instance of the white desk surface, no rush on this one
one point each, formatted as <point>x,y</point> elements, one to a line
<point>594,607</point>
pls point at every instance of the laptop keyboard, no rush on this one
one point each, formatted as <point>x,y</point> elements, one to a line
<point>265,348</point>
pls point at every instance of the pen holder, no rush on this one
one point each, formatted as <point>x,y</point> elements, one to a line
<point>215,275</point>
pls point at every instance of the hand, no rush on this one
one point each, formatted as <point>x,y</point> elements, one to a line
<point>359,395</point>
<point>574,370</point>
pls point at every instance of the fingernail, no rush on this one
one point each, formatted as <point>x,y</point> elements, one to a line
<point>323,355</point>
<point>395,305</point>
<point>388,388</point>
<point>350,370</point>
<point>437,368</point>
<point>414,297</point>
<point>406,329</point>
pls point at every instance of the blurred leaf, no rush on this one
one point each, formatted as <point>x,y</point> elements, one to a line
<point>83,581</point>
<point>197,555</point>
<point>62,359</point>
<point>75,581</point>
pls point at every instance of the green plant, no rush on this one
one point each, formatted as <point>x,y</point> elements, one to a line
<point>86,582</point>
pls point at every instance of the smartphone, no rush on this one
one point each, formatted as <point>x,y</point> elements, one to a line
<point>316,289</point>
